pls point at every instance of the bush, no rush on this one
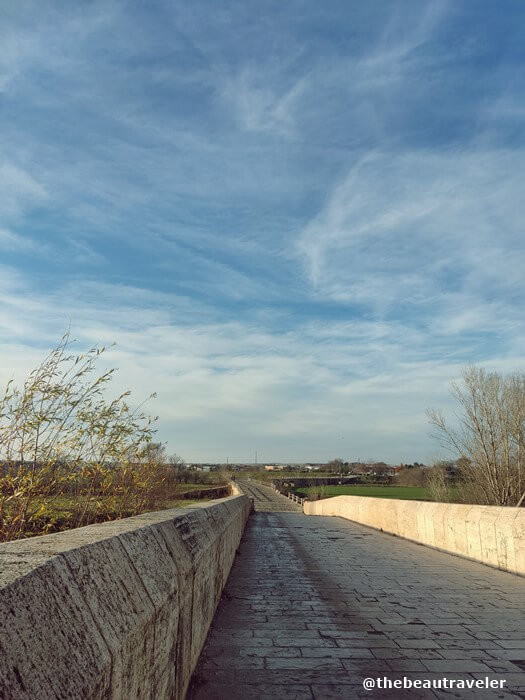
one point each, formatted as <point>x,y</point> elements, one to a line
<point>69,454</point>
<point>438,483</point>
<point>316,493</point>
<point>413,476</point>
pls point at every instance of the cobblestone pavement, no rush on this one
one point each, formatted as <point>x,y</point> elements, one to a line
<point>315,604</point>
<point>266,500</point>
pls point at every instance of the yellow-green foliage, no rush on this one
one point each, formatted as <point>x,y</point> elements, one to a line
<point>69,455</point>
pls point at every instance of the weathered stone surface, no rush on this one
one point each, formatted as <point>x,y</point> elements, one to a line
<point>315,605</point>
<point>489,534</point>
<point>116,610</point>
<point>266,500</point>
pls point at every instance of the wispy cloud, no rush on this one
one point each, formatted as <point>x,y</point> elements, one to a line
<point>12,241</point>
<point>256,104</point>
<point>407,228</point>
<point>236,386</point>
<point>297,223</point>
<point>19,188</point>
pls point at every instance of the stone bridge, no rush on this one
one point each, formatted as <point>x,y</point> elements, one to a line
<point>315,605</point>
<point>312,606</point>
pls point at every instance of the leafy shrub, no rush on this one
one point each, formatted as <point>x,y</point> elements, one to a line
<point>69,454</point>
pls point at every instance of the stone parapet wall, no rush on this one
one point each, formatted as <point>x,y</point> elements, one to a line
<point>118,609</point>
<point>488,534</point>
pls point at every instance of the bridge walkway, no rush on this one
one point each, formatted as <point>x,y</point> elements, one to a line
<point>314,605</point>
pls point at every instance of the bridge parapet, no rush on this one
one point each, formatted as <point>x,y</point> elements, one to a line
<point>115,610</point>
<point>492,535</point>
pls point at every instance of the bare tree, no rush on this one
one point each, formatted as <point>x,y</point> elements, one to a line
<point>177,463</point>
<point>335,466</point>
<point>490,438</point>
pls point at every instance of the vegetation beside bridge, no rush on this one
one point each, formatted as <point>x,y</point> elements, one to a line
<point>70,456</point>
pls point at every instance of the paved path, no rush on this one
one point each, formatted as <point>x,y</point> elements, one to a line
<point>266,500</point>
<point>316,604</point>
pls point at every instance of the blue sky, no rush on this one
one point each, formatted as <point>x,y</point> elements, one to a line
<point>297,220</point>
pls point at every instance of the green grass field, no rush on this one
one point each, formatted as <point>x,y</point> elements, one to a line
<point>62,512</point>
<point>183,488</point>
<point>412,493</point>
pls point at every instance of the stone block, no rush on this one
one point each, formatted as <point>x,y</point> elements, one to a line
<point>490,534</point>
<point>116,610</point>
